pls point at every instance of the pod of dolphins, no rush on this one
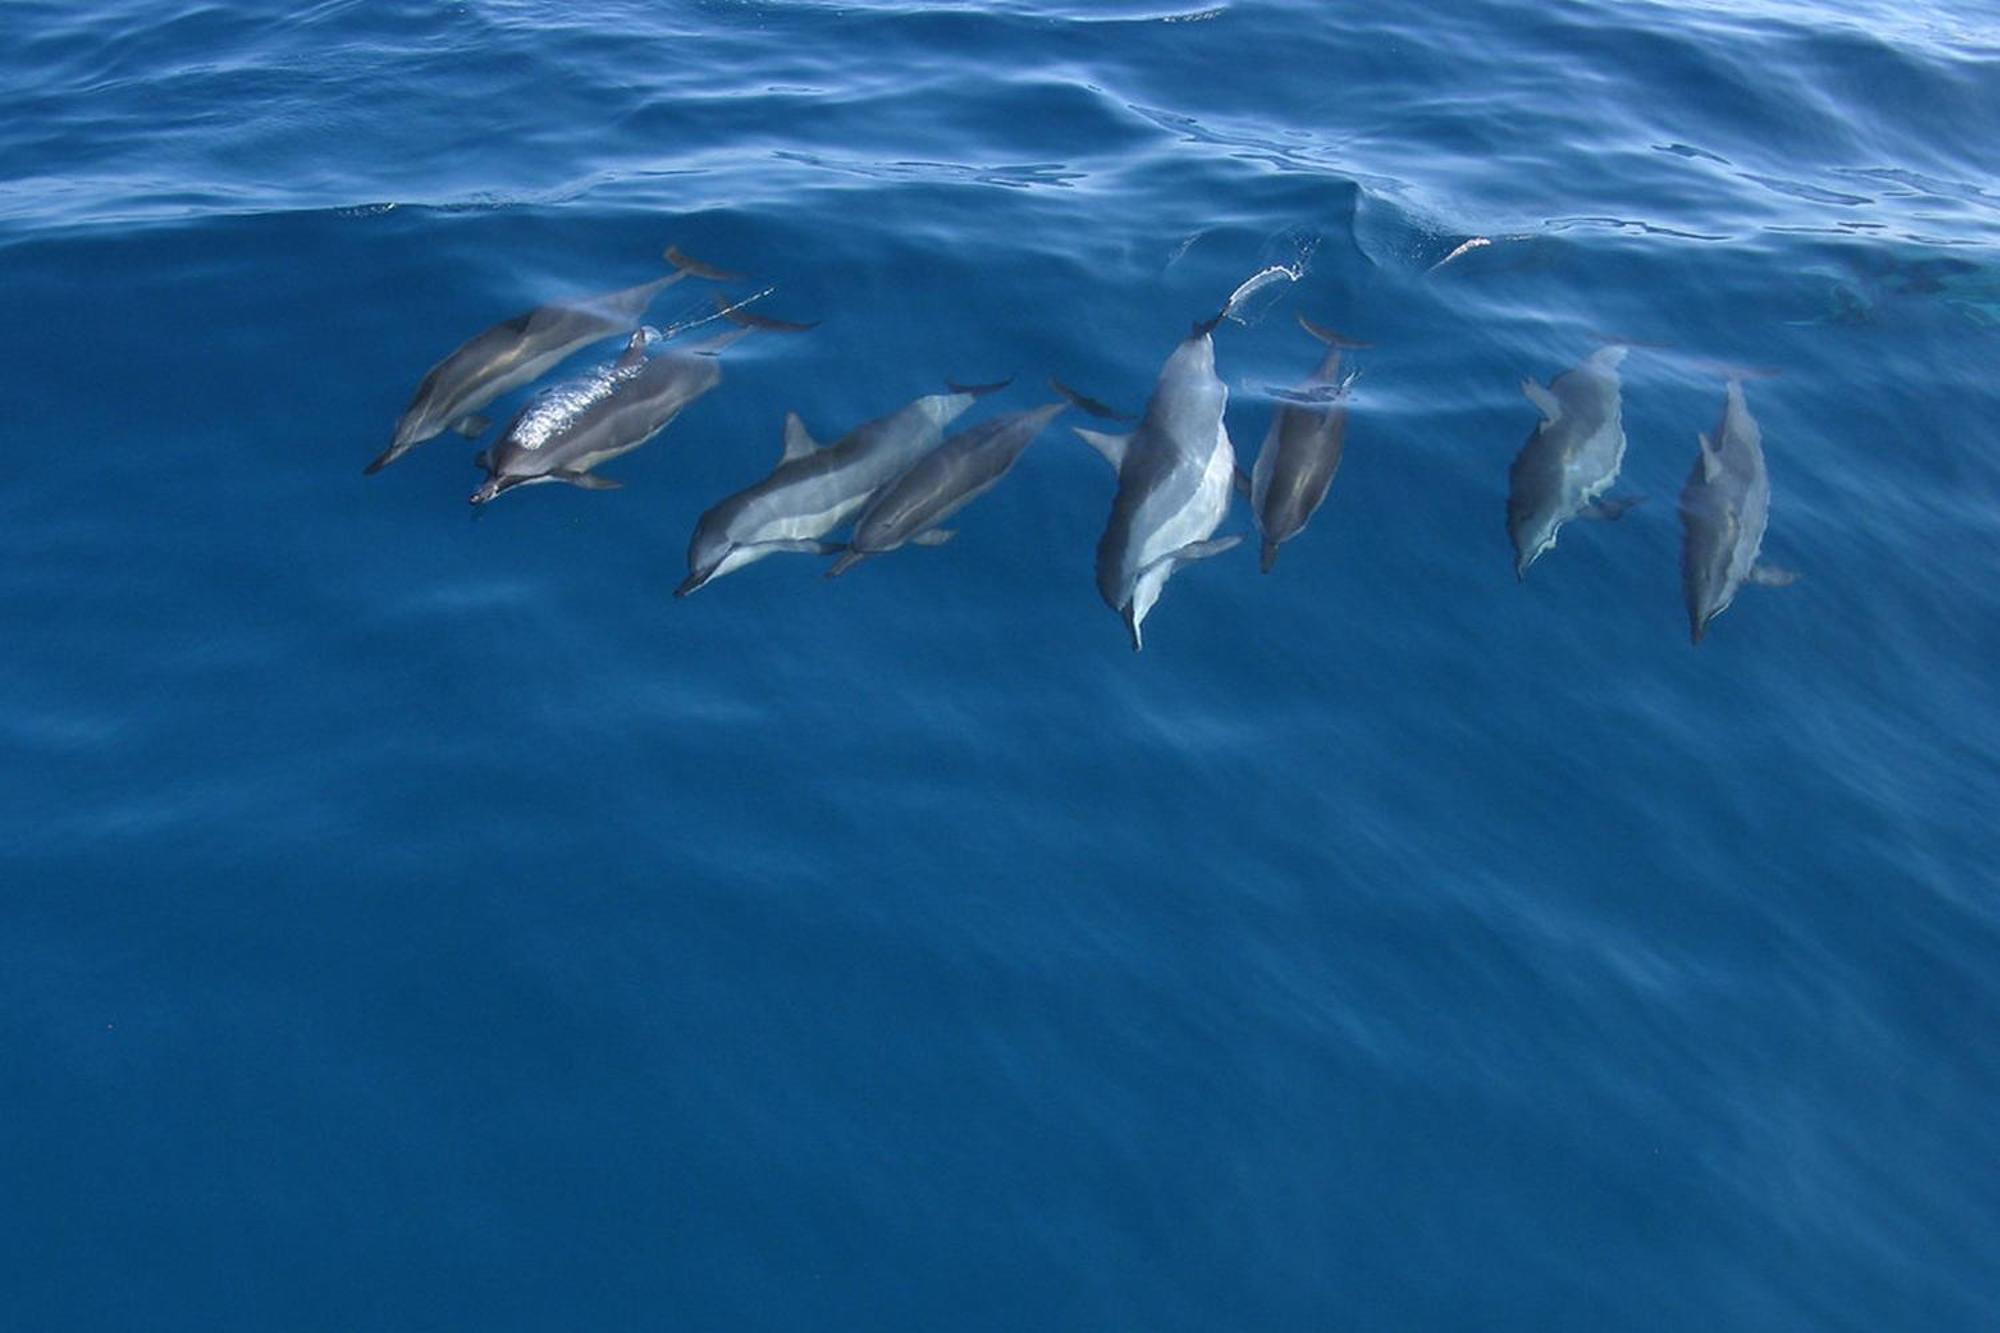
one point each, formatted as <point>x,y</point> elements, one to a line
<point>897,478</point>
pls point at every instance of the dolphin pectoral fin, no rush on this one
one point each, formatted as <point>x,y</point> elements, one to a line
<point>1203,550</point>
<point>1771,576</point>
<point>1711,464</point>
<point>1241,481</point>
<point>978,390</point>
<point>1611,508</point>
<point>483,459</point>
<point>1544,401</point>
<point>1191,552</point>
<point>1111,446</point>
<point>798,440</point>
<point>934,537</point>
<point>471,425</point>
<point>589,481</point>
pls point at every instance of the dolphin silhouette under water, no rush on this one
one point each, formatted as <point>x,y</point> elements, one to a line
<point>815,488</point>
<point>1725,507</point>
<point>510,354</point>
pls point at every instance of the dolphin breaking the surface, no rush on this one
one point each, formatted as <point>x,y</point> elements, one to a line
<point>510,354</point>
<point>1725,507</point>
<point>815,488</point>
<point>1571,459</point>
<point>1174,477</point>
<point>942,482</point>
<point>1302,450</point>
<point>572,427</point>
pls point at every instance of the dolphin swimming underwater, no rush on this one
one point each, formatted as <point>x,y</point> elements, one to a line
<point>815,488</point>
<point>1301,451</point>
<point>1724,509</point>
<point>572,427</point>
<point>1175,472</point>
<point>510,354</point>
<point>941,483</point>
<point>1572,457</point>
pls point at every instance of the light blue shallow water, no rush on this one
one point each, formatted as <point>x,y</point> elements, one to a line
<point>417,923</point>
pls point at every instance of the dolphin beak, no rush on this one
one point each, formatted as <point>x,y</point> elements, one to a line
<point>694,581</point>
<point>1132,623</point>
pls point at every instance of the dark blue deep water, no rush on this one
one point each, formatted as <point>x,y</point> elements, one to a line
<point>418,923</point>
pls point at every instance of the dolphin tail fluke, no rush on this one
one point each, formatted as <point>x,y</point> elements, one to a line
<point>1328,336</point>
<point>1084,403</point>
<point>686,266</point>
<point>978,390</point>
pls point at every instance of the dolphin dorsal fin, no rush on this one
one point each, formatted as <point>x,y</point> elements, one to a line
<point>798,441</point>
<point>1111,446</point>
<point>635,351</point>
<point>1711,463</point>
<point>1544,401</point>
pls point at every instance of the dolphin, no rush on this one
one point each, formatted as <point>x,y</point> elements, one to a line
<point>941,483</point>
<point>1572,457</point>
<point>1302,449</point>
<point>1724,508</point>
<point>815,488</point>
<point>509,355</point>
<point>1174,476</point>
<point>572,427</point>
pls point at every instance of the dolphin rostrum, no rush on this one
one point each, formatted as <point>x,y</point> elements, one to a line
<point>1724,508</point>
<point>509,355</point>
<point>572,427</point>
<point>1572,458</point>
<point>941,483</point>
<point>1174,476</point>
<point>1302,449</point>
<point>815,488</point>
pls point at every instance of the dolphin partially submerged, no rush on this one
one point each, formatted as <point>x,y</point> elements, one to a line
<point>1301,451</point>
<point>1724,509</point>
<point>1174,476</point>
<point>1571,459</point>
<point>572,427</point>
<point>942,482</point>
<point>511,354</point>
<point>815,488</point>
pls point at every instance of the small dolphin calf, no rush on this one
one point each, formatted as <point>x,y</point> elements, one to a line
<point>571,428</point>
<point>1724,508</point>
<point>941,483</point>
<point>1174,476</point>
<point>1571,459</point>
<point>816,488</point>
<point>509,355</point>
<point>1302,449</point>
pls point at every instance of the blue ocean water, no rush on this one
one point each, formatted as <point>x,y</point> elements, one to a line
<point>411,922</point>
